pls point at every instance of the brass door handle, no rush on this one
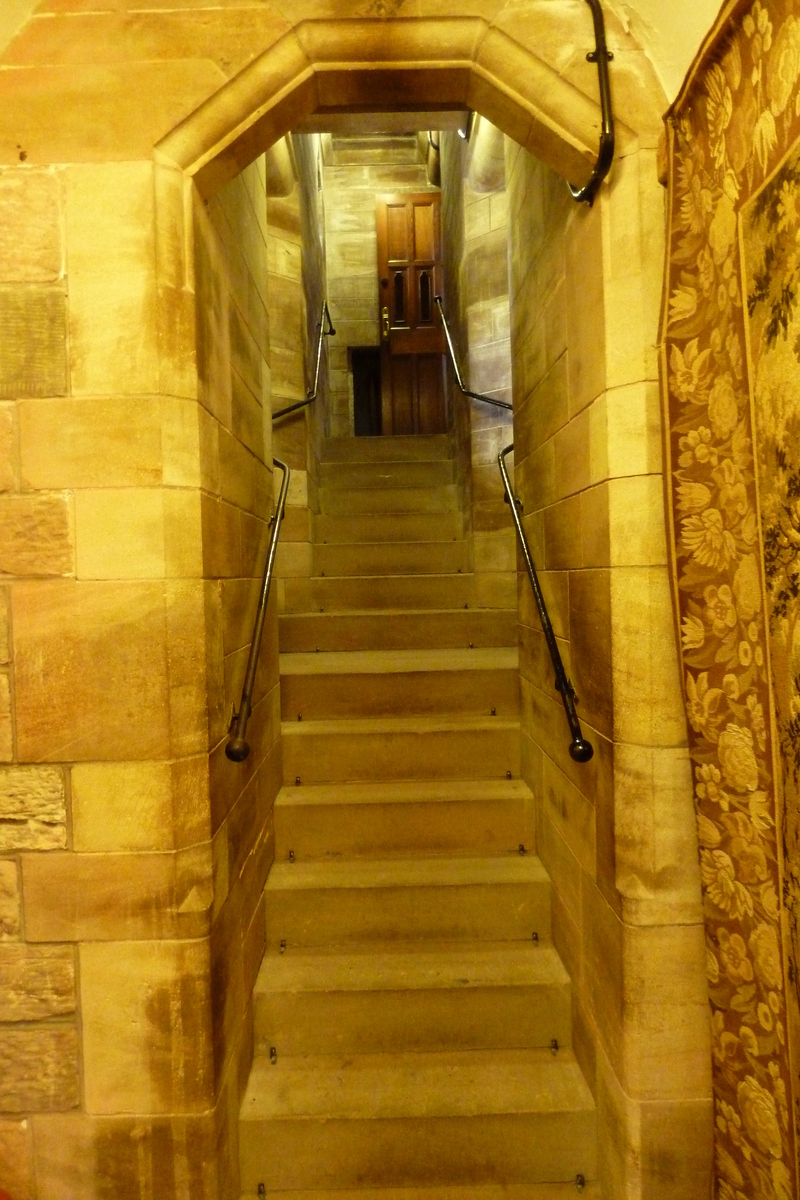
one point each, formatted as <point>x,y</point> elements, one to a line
<point>385,321</point>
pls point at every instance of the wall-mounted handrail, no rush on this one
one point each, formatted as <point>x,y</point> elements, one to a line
<point>580,749</point>
<point>453,360</point>
<point>237,748</point>
<point>311,394</point>
<point>602,56</point>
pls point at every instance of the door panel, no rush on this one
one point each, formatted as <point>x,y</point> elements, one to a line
<point>412,341</point>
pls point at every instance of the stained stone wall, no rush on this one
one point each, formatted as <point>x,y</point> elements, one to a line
<point>132,854</point>
<point>616,835</point>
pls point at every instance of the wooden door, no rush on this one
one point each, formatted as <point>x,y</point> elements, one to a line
<point>412,339</point>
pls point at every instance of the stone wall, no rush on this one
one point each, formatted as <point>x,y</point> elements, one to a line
<point>477,306</point>
<point>133,853</point>
<point>616,835</point>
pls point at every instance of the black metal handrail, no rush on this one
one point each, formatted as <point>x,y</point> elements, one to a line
<point>580,749</point>
<point>311,394</point>
<point>237,748</point>
<point>472,395</point>
<point>602,56</point>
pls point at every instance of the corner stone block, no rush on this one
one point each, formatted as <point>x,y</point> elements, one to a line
<point>146,1011</point>
<point>31,250</point>
<point>33,350</point>
<point>90,671</point>
<point>16,1159</point>
<point>33,809</point>
<point>39,1068</point>
<point>97,1158</point>
<point>122,806</point>
<point>9,901</point>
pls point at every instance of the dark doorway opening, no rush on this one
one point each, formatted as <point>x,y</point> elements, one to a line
<point>366,364</point>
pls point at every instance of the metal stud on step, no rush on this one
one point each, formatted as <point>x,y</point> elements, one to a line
<point>273,1055</point>
<point>522,849</point>
<point>299,716</point>
<point>580,1183</point>
<point>494,711</point>
<point>262,1191</point>
<point>535,939</point>
<point>297,781</point>
<point>509,775</point>
<point>554,1045</point>
<point>283,946</point>
<point>291,856</point>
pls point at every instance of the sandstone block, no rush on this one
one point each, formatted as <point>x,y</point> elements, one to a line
<point>90,443</point>
<point>6,726</point>
<point>33,352</point>
<point>8,449</point>
<point>33,809</point>
<point>30,227</point>
<point>5,628</point>
<point>77,897</point>
<point>119,533</point>
<point>122,806</point>
<point>39,1069</point>
<point>36,982</point>
<point>35,535</point>
<point>9,900</point>
<point>146,1011</point>
<point>91,1157</point>
<point>90,671</point>
<point>16,1165</point>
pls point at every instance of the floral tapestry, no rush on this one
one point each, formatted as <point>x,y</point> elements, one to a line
<point>731,382</point>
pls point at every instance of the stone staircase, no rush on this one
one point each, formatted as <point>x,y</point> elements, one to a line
<point>412,1019</point>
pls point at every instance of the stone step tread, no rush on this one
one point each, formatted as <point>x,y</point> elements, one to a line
<point>403,791</point>
<point>366,873</point>
<point>369,1087</point>
<point>383,662</point>
<point>481,1191</point>
<point>381,726</point>
<point>395,576</point>
<point>397,448</point>
<point>505,964</point>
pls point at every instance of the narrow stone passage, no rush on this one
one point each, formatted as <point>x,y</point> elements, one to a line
<point>410,1002</point>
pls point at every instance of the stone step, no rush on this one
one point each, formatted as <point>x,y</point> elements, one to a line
<point>512,995</point>
<point>400,748</point>
<point>343,476</point>
<point>397,630</point>
<point>485,1191</point>
<point>342,592</point>
<point>408,899</point>
<point>513,1116</point>
<point>389,527</point>
<point>399,448</point>
<point>388,683</point>
<point>391,558</point>
<point>339,501</point>
<point>351,820</point>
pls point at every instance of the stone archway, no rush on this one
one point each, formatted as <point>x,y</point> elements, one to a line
<point>107,94</point>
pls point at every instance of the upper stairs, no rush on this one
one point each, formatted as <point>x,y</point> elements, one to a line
<point>412,1018</point>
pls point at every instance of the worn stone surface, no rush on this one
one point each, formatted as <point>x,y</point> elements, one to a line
<point>35,535</point>
<point>33,808</point>
<point>5,626</point>
<point>9,900</point>
<point>146,1013</point>
<point>36,982</point>
<point>30,227</point>
<point>8,448</point>
<point>97,1158</point>
<point>78,897</point>
<point>6,723</point>
<point>122,806</point>
<point>90,671</point>
<point>39,1068</point>
<point>16,1159</point>
<point>33,355</point>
